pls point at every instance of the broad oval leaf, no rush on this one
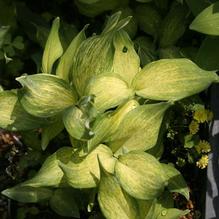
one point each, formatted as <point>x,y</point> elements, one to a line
<point>173,26</point>
<point>28,194</point>
<point>140,175</point>
<point>65,64</point>
<point>45,95</point>
<point>172,79</point>
<point>14,117</point>
<point>114,201</point>
<point>63,203</point>
<point>176,182</point>
<point>53,49</point>
<point>50,174</point>
<point>207,21</point>
<point>77,123</point>
<point>207,56</point>
<point>148,18</point>
<point>109,92</point>
<point>140,127</point>
<point>84,172</point>
<point>93,8</point>
<point>126,61</point>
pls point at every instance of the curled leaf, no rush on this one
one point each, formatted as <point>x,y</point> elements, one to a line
<point>45,95</point>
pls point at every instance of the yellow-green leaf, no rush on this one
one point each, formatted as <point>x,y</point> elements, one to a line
<point>107,124</point>
<point>14,117</point>
<point>87,62</point>
<point>140,127</point>
<point>176,182</point>
<point>66,60</point>
<point>126,61</point>
<point>53,49</point>
<point>172,79</point>
<point>140,175</point>
<point>109,92</point>
<point>50,173</point>
<point>114,201</point>
<point>207,21</point>
<point>45,95</point>
<point>84,172</point>
<point>28,194</point>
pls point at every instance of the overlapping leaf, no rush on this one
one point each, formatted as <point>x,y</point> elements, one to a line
<point>14,117</point>
<point>113,200</point>
<point>140,175</point>
<point>140,127</point>
<point>45,95</point>
<point>84,172</point>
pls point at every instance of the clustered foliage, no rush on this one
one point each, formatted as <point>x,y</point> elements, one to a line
<point>114,97</point>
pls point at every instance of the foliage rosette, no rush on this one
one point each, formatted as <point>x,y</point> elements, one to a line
<point>113,111</point>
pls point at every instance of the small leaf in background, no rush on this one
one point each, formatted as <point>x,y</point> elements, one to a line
<point>66,60</point>
<point>207,56</point>
<point>53,49</point>
<point>28,194</point>
<point>172,79</point>
<point>146,50</point>
<point>197,6</point>
<point>173,26</point>
<point>140,175</point>
<point>84,172</point>
<point>109,92</point>
<point>45,95</point>
<point>3,32</point>
<point>190,141</point>
<point>176,182</point>
<point>140,127</point>
<point>50,132</point>
<point>113,200</point>
<point>63,203</point>
<point>13,116</point>
<point>148,19</point>
<point>50,174</point>
<point>92,8</point>
<point>18,43</point>
<point>207,21</point>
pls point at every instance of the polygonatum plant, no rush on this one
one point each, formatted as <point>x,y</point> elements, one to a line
<point>98,92</point>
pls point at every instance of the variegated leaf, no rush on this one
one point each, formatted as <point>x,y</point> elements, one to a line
<point>109,92</point>
<point>45,95</point>
<point>126,62</point>
<point>140,175</point>
<point>140,127</point>
<point>84,172</point>
<point>114,201</point>
<point>65,64</point>
<point>172,79</point>
<point>50,174</point>
<point>107,124</point>
<point>14,117</point>
<point>53,49</point>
